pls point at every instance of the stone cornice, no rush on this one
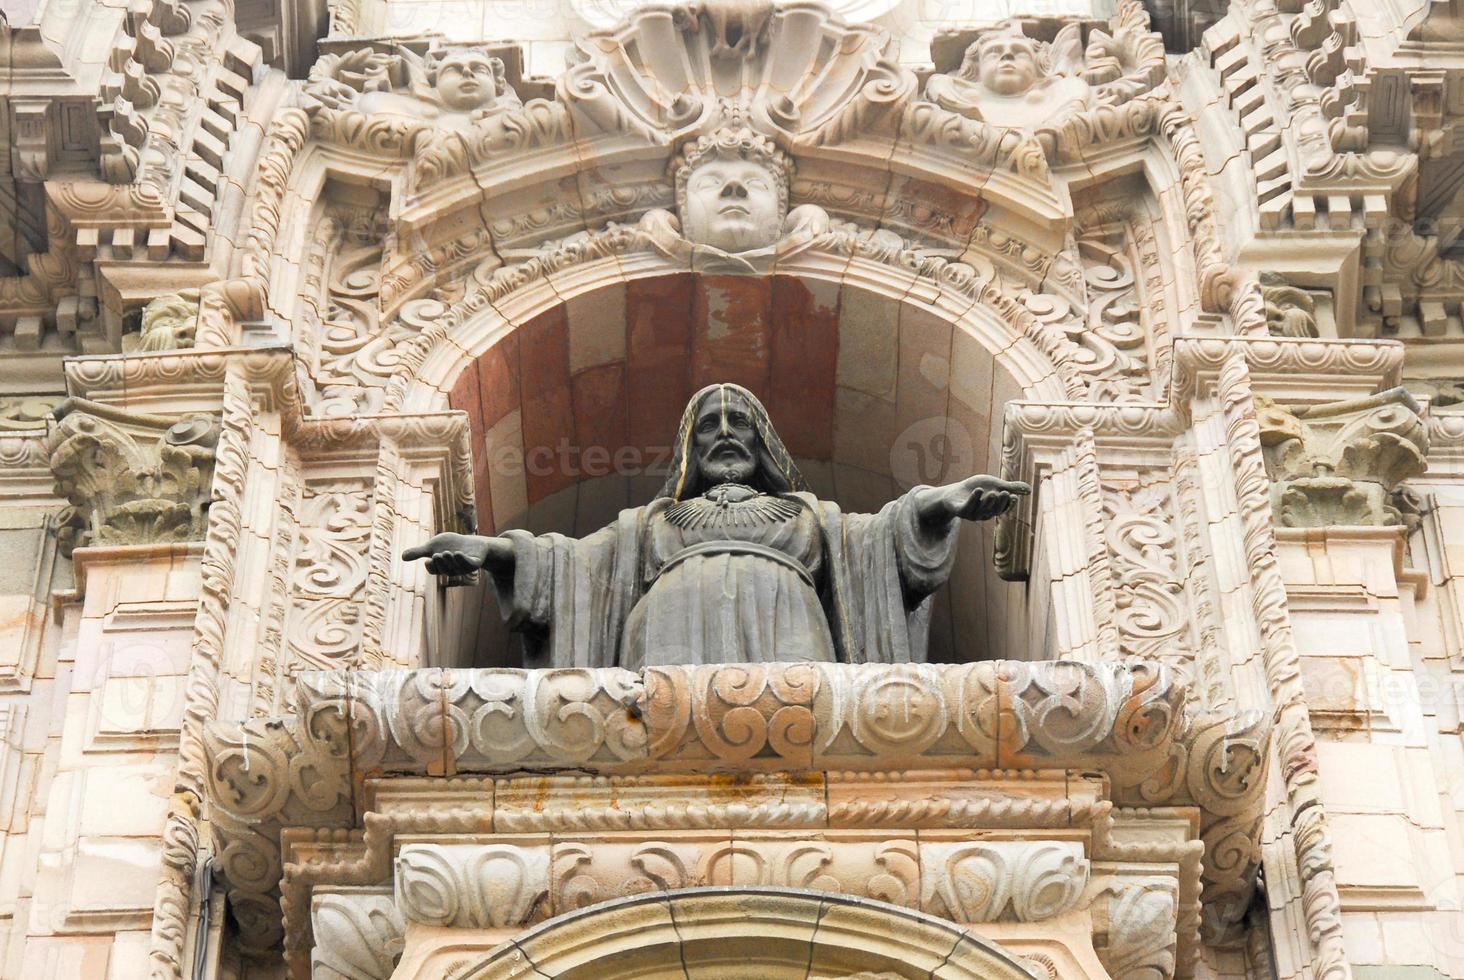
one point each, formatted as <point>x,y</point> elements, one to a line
<point>1128,722</point>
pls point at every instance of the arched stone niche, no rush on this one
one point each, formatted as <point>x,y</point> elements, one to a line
<point>875,387</point>
<point>735,934</point>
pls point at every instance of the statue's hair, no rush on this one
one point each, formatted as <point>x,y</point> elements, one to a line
<point>776,471</point>
<point>1006,29</point>
<point>733,143</point>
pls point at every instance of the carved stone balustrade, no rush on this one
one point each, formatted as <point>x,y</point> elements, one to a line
<point>1340,463</point>
<point>1105,763</point>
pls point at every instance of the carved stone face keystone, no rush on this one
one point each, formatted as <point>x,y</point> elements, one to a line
<point>732,205</point>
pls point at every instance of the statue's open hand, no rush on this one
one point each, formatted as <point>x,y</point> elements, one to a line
<point>461,554</point>
<point>976,498</point>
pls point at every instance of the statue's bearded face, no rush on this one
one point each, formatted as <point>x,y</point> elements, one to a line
<point>1008,64</point>
<point>465,81</point>
<point>725,439</point>
<point>732,205</point>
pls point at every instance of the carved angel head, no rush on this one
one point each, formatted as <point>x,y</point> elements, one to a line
<point>1008,62</point>
<point>466,79</point>
<point>732,190</point>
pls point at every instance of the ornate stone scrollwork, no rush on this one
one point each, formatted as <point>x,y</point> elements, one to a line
<point>751,723</point>
<point>327,589</point>
<point>472,886</point>
<point>358,936</point>
<point>989,881</point>
<point>131,478</point>
<point>1339,463</point>
<point>1153,611</point>
<point>1140,915</point>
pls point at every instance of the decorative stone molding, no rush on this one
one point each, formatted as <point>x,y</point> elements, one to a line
<point>1305,815</point>
<point>1129,722</point>
<point>1339,463</point>
<point>130,478</point>
<point>773,931</point>
<point>1084,360</point>
<point>988,881</point>
<point>358,936</point>
<point>467,886</point>
<point>680,831</point>
<point>1140,925</point>
<point>508,885</point>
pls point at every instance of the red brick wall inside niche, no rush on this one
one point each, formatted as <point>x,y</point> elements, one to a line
<point>598,385</point>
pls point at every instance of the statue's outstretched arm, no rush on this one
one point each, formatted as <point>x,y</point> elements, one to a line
<point>463,554</point>
<point>976,498</point>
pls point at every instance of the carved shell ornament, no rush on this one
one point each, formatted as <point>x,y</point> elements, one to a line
<point>790,68</point>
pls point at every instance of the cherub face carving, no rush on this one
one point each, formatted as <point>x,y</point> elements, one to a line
<point>467,80</point>
<point>732,205</point>
<point>1007,63</point>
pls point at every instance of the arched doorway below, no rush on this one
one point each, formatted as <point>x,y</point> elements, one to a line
<point>736,934</point>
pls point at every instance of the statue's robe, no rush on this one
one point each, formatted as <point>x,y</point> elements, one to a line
<point>817,585</point>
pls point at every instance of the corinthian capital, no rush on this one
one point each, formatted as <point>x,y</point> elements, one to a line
<point>130,478</point>
<point>1340,463</point>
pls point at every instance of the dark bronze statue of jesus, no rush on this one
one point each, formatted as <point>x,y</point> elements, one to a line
<point>733,562</point>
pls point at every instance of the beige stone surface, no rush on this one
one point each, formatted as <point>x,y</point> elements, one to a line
<point>1190,272</point>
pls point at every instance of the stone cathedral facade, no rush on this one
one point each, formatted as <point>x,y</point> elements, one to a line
<point>288,288</point>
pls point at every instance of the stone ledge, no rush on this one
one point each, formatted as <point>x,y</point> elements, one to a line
<point>727,727</point>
